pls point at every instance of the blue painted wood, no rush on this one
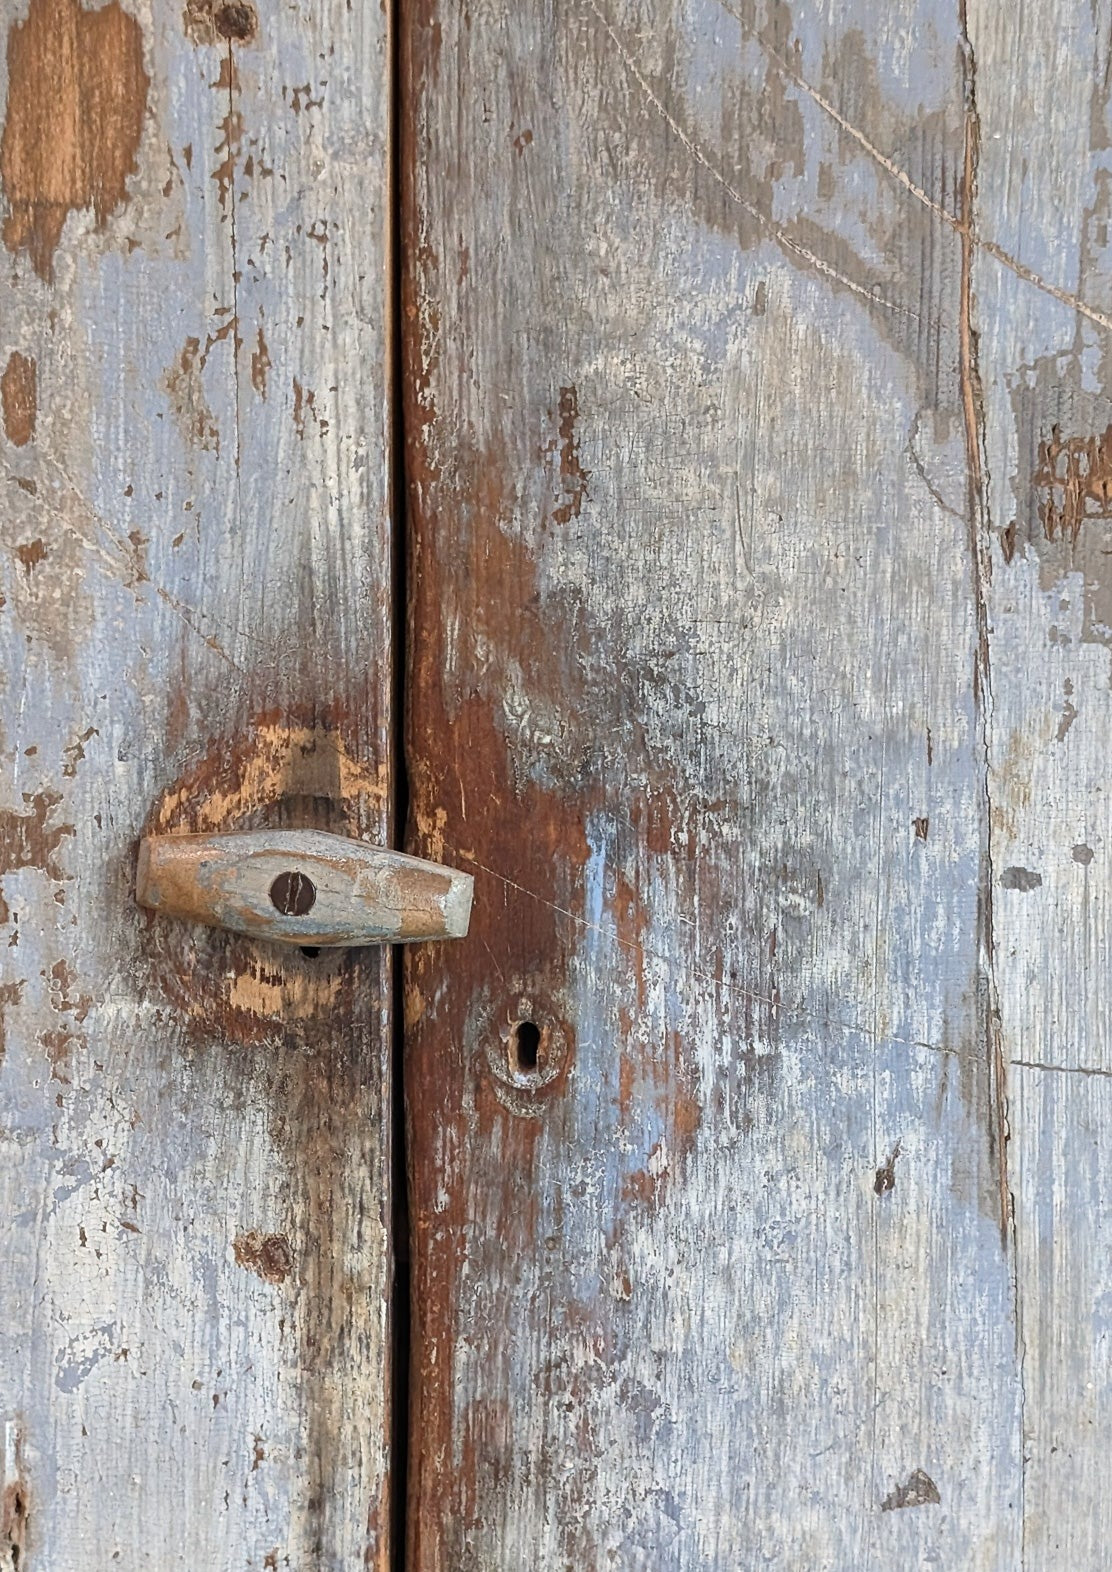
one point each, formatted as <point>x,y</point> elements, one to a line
<point>195,636</point>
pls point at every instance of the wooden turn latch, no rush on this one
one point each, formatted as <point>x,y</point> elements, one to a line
<point>302,887</point>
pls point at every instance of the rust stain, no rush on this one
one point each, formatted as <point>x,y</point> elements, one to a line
<point>19,398</point>
<point>77,98</point>
<point>573,477</point>
<point>1073,479</point>
<point>30,554</point>
<point>267,1255</point>
<point>260,364</point>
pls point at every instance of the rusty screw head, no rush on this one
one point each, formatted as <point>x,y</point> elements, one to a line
<point>293,894</point>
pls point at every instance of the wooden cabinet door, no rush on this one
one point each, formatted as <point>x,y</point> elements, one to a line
<point>757,422</point>
<point>757,458</point>
<point>196,634</point>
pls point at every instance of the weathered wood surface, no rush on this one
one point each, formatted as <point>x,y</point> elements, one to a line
<point>740,333</point>
<point>302,887</point>
<point>195,637</point>
<point>1045,122</point>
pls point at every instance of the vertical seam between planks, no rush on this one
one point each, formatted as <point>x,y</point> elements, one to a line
<point>400,1299</point>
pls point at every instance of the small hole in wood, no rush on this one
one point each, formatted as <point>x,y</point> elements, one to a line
<point>525,1045</point>
<point>310,950</point>
<point>293,894</point>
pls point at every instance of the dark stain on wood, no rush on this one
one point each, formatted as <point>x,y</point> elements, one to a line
<point>260,364</point>
<point>75,751</point>
<point>19,398</point>
<point>573,477</point>
<point>920,1490</point>
<point>321,1080</point>
<point>922,827</point>
<point>215,21</point>
<point>77,98</point>
<point>269,1256</point>
<point>15,1516</point>
<point>885,1180</point>
<point>1024,879</point>
<point>30,554</point>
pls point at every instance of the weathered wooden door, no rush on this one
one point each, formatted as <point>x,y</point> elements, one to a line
<point>715,412</point>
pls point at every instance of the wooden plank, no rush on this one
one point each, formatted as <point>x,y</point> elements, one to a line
<point>712,1264</point>
<point>195,1153</point>
<point>1043,306</point>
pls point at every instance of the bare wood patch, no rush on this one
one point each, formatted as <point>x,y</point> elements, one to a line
<point>27,842</point>
<point>10,993</point>
<point>269,1256</point>
<point>77,98</point>
<point>1074,481</point>
<point>19,398</point>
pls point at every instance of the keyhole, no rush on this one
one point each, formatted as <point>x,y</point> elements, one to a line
<point>293,894</point>
<point>525,1041</point>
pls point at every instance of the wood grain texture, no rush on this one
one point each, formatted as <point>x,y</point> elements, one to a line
<point>302,887</point>
<point>195,637</point>
<point>1046,375</point>
<point>722,1274</point>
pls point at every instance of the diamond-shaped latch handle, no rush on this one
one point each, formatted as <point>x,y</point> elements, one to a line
<point>302,887</point>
